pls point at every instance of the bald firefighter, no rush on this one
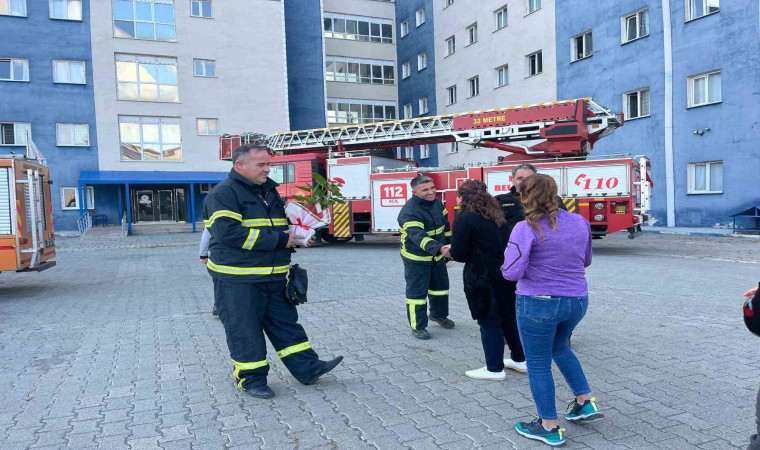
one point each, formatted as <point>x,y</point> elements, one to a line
<point>425,236</point>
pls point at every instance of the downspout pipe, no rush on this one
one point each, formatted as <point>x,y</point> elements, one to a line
<point>670,189</point>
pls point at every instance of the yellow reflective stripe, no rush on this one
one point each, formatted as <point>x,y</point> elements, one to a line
<point>438,292</point>
<point>439,257</point>
<point>253,236</point>
<point>413,317</point>
<point>408,255</point>
<point>278,222</point>
<point>411,224</point>
<point>265,222</point>
<point>447,234</point>
<point>247,366</point>
<point>246,270</point>
<point>223,213</point>
<point>425,242</point>
<point>438,231</point>
<point>294,349</point>
<point>445,211</point>
<point>416,301</point>
<point>240,383</point>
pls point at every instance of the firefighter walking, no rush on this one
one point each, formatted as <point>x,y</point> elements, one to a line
<point>425,236</point>
<point>249,258</point>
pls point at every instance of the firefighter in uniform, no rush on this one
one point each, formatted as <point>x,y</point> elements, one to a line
<point>510,202</point>
<point>249,259</point>
<point>425,239</point>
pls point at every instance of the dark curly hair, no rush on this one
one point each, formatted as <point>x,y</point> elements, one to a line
<point>476,199</point>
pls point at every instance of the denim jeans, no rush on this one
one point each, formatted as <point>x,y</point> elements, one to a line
<point>545,323</point>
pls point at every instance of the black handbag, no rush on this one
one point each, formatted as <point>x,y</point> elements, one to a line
<point>752,313</point>
<point>296,286</point>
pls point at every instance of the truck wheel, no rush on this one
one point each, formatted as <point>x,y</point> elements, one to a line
<point>330,239</point>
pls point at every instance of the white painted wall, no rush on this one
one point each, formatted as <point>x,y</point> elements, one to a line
<point>248,94</point>
<point>523,35</point>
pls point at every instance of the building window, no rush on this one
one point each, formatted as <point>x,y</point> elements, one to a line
<point>474,85</point>
<point>408,111</point>
<point>472,34</point>
<point>65,9</point>
<point>144,19</point>
<point>636,104</point>
<point>423,106</point>
<point>409,153</point>
<point>704,89</point>
<point>72,134</point>
<point>451,45</point>
<point>700,8</point>
<point>14,69</point>
<point>706,177</point>
<point>581,46</point>
<point>70,198</point>
<point>14,133</point>
<point>208,127</point>
<point>451,95</point>
<point>453,147</point>
<point>406,70</point>
<point>349,112</point>
<point>13,8</point>
<point>424,151</point>
<point>404,28</point>
<point>354,28</point>
<point>502,75</point>
<point>147,78</point>
<point>353,70</point>
<point>204,68</point>
<point>535,63</point>
<point>71,72</point>
<point>421,61</point>
<point>635,25</point>
<point>201,8</point>
<point>501,18</point>
<point>420,16</point>
<point>150,138</point>
<point>447,3</point>
<point>205,188</point>
<point>534,5</point>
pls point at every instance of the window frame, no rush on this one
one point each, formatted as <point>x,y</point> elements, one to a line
<point>26,69</point>
<point>688,11</point>
<point>423,101</point>
<point>692,168</point>
<point>73,135</point>
<point>141,60</point>
<point>624,25</point>
<point>408,111</point>
<point>418,16</point>
<point>505,68</point>
<point>211,11</point>
<point>472,34</point>
<point>361,65</point>
<point>404,31</point>
<point>539,63</point>
<point>204,61</point>
<point>422,61</point>
<point>151,120</point>
<point>530,3</point>
<point>447,3</point>
<point>504,11</point>
<point>90,192</point>
<point>17,134</point>
<point>453,148</point>
<point>334,116</point>
<point>627,103</point>
<point>25,14</point>
<point>154,22</point>
<point>451,93</point>
<point>357,35</point>
<point>424,151</point>
<point>406,70</point>
<point>574,42</point>
<point>451,45</point>
<point>690,89</point>
<point>473,82</point>
<point>68,62</point>
<point>198,128</point>
<point>50,11</point>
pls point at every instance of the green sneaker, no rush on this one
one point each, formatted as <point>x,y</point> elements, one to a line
<point>587,412</point>
<point>536,431</point>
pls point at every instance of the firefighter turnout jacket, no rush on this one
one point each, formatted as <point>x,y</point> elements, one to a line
<point>424,229</point>
<point>512,207</point>
<point>248,229</point>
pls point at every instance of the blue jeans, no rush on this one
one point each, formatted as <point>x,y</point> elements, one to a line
<point>545,324</point>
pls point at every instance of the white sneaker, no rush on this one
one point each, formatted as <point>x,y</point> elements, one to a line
<point>521,367</point>
<point>484,374</point>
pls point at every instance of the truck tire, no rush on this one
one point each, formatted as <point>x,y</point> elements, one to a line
<point>330,239</point>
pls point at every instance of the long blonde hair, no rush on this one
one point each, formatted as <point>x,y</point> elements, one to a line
<point>539,199</point>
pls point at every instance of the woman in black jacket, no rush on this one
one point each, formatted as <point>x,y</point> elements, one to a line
<point>479,239</point>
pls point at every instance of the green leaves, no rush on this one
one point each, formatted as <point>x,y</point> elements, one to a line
<point>324,192</point>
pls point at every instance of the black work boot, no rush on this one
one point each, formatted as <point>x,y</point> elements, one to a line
<point>262,391</point>
<point>445,322</point>
<point>421,334</point>
<point>329,365</point>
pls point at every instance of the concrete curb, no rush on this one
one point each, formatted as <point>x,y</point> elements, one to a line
<point>705,232</point>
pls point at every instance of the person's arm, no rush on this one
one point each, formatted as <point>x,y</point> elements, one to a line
<point>447,227</point>
<point>587,260</point>
<point>750,293</point>
<point>460,239</point>
<point>517,255</point>
<point>225,222</point>
<point>414,227</point>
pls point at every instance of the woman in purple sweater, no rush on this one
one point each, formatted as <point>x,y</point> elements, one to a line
<point>547,255</point>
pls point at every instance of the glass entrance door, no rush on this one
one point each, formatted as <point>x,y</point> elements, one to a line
<point>166,205</point>
<point>146,207</point>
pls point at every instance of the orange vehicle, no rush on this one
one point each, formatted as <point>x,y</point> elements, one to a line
<point>26,216</point>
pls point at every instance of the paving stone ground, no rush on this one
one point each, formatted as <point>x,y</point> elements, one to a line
<point>116,348</point>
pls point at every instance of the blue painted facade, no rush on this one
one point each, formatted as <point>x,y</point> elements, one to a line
<point>44,103</point>
<point>303,45</point>
<point>420,83</point>
<point>726,41</point>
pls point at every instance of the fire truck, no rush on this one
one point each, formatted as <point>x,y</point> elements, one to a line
<point>612,192</point>
<point>27,243</point>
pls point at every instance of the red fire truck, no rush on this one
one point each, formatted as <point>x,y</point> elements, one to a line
<point>611,192</point>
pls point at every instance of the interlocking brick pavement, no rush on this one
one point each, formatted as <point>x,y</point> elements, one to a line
<point>116,348</point>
